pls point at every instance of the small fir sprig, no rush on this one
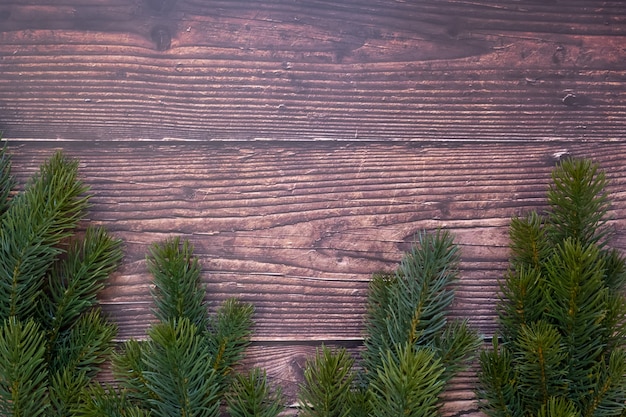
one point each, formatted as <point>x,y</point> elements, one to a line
<point>562,309</point>
<point>251,395</point>
<point>328,381</point>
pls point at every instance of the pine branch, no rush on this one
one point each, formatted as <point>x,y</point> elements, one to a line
<point>129,369</point>
<point>558,407</point>
<point>230,333</point>
<point>85,346</point>
<point>577,301</point>
<point>65,391</point>
<point>410,307</point>
<point>540,361</point>
<point>562,310</point>
<point>530,245</point>
<point>408,383</point>
<point>456,347</point>
<point>252,396</point>
<point>23,373</point>
<point>578,203</point>
<point>498,383</point>
<point>178,370</point>
<point>327,384</point>
<point>101,401</point>
<point>37,220</point>
<point>7,182</point>
<point>178,292</point>
<point>75,281</point>
<point>522,300</point>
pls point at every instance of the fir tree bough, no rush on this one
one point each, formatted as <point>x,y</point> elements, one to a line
<point>185,367</point>
<point>411,348</point>
<point>562,312</point>
<point>53,337</point>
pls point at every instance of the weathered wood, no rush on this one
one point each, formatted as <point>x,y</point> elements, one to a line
<point>297,229</point>
<point>352,70</point>
<point>341,129</point>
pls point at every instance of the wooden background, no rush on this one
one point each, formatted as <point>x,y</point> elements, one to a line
<point>301,145</point>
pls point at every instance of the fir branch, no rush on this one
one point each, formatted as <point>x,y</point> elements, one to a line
<point>327,384</point>
<point>37,220</point>
<point>561,311</point>
<point>456,347</point>
<point>522,300</point>
<point>85,346</point>
<point>498,391</point>
<point>75,281</point>
<point>408,383</point>
<point>129,369</point>
<point>530,245</point>
<point>251,396</point>
<point>540,361</point>
<point>23,373</point>
<point>178,370</point>
<point>105,401</point>
<point>7,182</point>
<point>558,407</point>
<point>410,307</point>
<point>65,391</point>
<point>578,203</point>
<point>230,333</point>
<point>177,289</point>
<point>577,301</point>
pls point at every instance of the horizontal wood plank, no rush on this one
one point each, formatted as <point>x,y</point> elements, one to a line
<point>352,70</point>
<point>298,229</point>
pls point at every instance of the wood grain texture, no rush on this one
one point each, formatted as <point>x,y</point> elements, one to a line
<point>286,70</point>
<point>300,146</point>
<point>297,229</point>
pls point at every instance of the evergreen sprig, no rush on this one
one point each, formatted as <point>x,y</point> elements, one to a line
<point>24,375</point>
<point>7,182</point>
<point>49,280</point>
<point>411,348</point>
<point>178,371</point>
<point>562,309</point>
<point>328,378</point>
<point>32,227</point>
<point>185,365</point>
<point>251,395</point>
<point>177,288</point>
<point>408,383</point>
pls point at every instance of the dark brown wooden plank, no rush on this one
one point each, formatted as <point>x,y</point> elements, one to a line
<point>353,70</point>
<point>298,229</point>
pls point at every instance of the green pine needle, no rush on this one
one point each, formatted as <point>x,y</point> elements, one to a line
<point>327,384</point>
<point>408,383</point>
<point>7,182</point>
<point>178,370</point>
<point>251,396</point>
<point>562,309</point>
<point>578,202</point>
<point>23,371</point>
<point>106,401</point>
<point>37,220</point>
<point>410,306</point>
<point>177,288</point>
<point>75,281</point>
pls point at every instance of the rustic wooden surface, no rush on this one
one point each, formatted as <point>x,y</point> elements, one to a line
<point>298,228</point>
<point>301,145</point>
<point>355,69</point>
